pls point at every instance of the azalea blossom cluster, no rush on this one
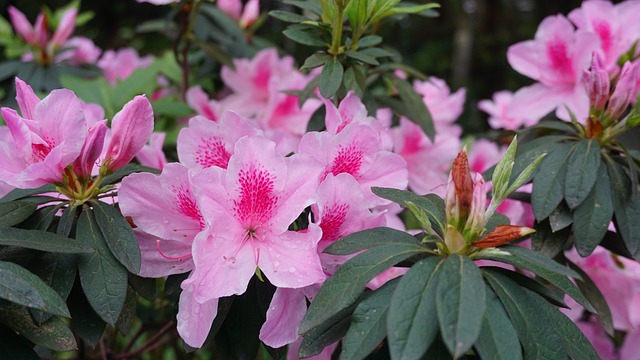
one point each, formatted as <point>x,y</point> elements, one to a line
<point>63,141</point>
<point>599,35</point>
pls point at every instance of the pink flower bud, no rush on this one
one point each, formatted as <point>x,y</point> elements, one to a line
<point>41,31</point>
<point>596,81</point>
<point>21,25</point>
<point>233,8</point>
<point>91,150</point>
<point>65,27</point>
<point>131,128</point>
<point>625,91</point>
<point>250,13</point>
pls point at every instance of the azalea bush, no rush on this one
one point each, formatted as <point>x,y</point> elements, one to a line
<point>223,199</point>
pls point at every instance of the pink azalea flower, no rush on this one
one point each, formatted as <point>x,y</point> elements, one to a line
<point>118,65</point>
<point>445,108</point>
<point>151,154</point>
<point>79,51</point>
<point>204,143</point>
<point>357,150</point>
<point>195,318</point>
<point>555,58</point>
<point>200,102</point>
<point>615,26</point>
<point>428,163</point>
<point>158,2</point>
<point>249,208</point>
<point>91,149</point>
<point>164,210</point>
<point>245,16</point>
<point>499,117</point>
<point>131,127</point>
<point>292,351</point>
<point>46,138</point>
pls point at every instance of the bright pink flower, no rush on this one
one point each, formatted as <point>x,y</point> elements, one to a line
<point>151,154</point>
<point>428,163</point>
<point>21,25</point>
<point>46,139</point>
<point>79,51</point>
<point>205,143</point>
<point>615,26</point>
<point>118,65</point>
<point>249,208</point>
<point>555,58</point>
<point>499,118</point>
<point>131,127</point>
<point>200,102</point>
<point>357,150</point>
<point>445,108</point>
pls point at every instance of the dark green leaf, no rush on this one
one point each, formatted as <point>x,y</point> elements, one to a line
<point>15,212</point>
<point>287,16</point>
<point>392,66</point>
<point>22,287</point>
<point>548,183</point>
<point>118,234</point>
<point>42,218</point>
<point>552,125</point>
<point>582,172</point>
<point>84,321</point>
<point>595,297</point>
<point>13,346</point>
<point>369,238</point>
<point>535,330</point>
<point>551,293</point>
<point>315,340</point>
<point>461,303</point>
<point>498,339</point>
<point>542,266</point>
<point>54,334</point>
<point>362,57</point>
<point>411,323</point>
<point>22,193</point>
<point>124,171</point>
<point>591,218</point>
<point>343,288</point>
<point>331,78</point>
<point>369,40</point>
<point>128,313</point>
<point>495,220</point>
<point>145,287</point>
<point>315,60</point>
<point>575,343</point>
<point>304,37</point>
<point>59,272</point>
<point>41,240</point>
<point>626,208</point>
<point>368,324</point>
<point>560,218</point>
<point>311,6</point>
<point>416,110</point>
<point>103,279</point>
<point>67,220</point>
<point>547,242</point>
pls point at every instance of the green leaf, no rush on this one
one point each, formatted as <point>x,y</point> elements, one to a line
<point>118,234</point>
<point>59,272</point>
<point>343,288</point>
<point>22,193</point>
<point>591,218</point>
<point>535,330</point>
<point>13,346</point>
<point>54,334</point>
<point>411,323</point>
<point>497,339</point>
<point>626,208</point>
<point>525,175</point>
<point>495,220</point>
<point>432,204</point>
<point>304,37</point>
<point>548,184</point>
<point>315,60</point>
<point>42,218</point>
<point>548,242</point>
<point>560,218</point>
<point>15,212</point>
<point>315,340</point>
<point>542,266</point>
<point>414,9</point>
<point>461,303</point>
<point>582,172</point>
<point>502,173</point>
<point>595,297</point>
<point>331,78</point>
<point>128,313</point>
<point>551,293</point>
<point>415,110</point>
<point>287,16</point>
<point>369,40</point>
<point>84,321</point>
<point>311,6</point>
<point>103,279</point>
<point>41,240</point>
<point>367,239</point>
<point>362,57</point>
<point>91,91</point>
<point>368,323</point>
<point>124,171</point>
<point>141,81</point>
<point>67,220</point>
<point>22,287</point>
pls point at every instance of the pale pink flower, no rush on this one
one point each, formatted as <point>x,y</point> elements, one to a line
<point>245,16</point>
<point>555,58</point>
<point>596,81</point>
<point>195,318</point>
<point>131,127</point>
<point>357,150</point>
<point>151,154</point>
<point>21,25</point>
<point>626,89</point>
<point>45,139</point>
<point>445,108</point>
<point>120,64</point>
<point>79,51</point>
<point>499,118</point>
<point>615,26</point>
<point>199,101</point>
<point>249,208</point>
<point>428,163</point>
<point>65,27</point>
<point>158,2</point>
<point>204,143</point>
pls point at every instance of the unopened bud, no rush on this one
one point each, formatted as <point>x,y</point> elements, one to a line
<point>503,234</point>
<point>459,200</point>
<point>625,91</point>
<point>596,81</point>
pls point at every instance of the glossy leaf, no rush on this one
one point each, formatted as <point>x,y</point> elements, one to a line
<point>331,78</point>
<point>460,303</point>
<point>343,288</point>
<point>582,172</point>
<point>498,339</point>
<point>412,321</point>
<point>118,234</point>
<point>548,184</point>
<point>15,212</point>
<point>42,240</point>
<point>103,279</point>
<point>591,219</point>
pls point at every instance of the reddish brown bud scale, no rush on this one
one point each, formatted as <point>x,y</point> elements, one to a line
<point>502,234</point>
<point>461,174</point>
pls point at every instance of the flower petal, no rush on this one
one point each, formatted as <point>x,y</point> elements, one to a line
<point>284,316</point>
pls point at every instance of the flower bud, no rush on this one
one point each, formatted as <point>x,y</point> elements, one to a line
<point>502,234</point>
<point>596,81</point>
<point>91,150</point>
<point>625,91</point>
<point>459,190</point>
